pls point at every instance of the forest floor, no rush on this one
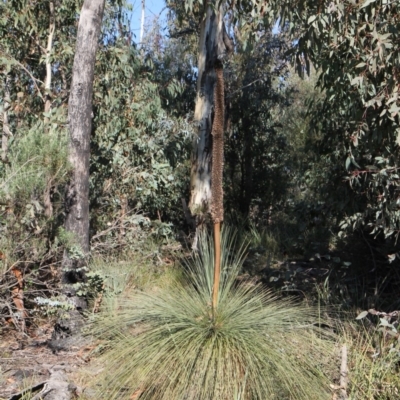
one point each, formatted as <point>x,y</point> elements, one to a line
<point>27,361</point>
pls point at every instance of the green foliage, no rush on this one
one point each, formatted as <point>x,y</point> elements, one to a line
<point>256,153</point>
<point>36,172</point>
<point>167,344</point>
<point>36,161</point>
<point>140,150</point>
<point>354,48</point>
<point>36,168</point>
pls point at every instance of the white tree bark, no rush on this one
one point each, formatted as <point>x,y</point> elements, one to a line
<point>47,104</point>
<point>212,48</point>
<point>47,83</point>
<point>142,22</point>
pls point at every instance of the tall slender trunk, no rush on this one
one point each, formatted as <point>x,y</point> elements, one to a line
<point>48,205</point>
<point>80,125</point>
<point>47,83</point>
<point>68,326</point>
<point>142,22</point>
<point>6,124</point>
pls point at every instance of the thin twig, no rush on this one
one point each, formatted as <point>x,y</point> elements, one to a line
<point>344,373</point>
<point>243,87</point>
<point>370,249</point>
<point>27,71</point>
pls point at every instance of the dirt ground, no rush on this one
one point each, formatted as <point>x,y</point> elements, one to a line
<point>26,362</point>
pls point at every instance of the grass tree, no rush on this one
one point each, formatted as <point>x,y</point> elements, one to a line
<point>171,344</point>
<point>208,154</point>
<point>208,336</point>
<point>214,45</point>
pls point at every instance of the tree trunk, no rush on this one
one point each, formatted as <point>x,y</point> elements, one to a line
<point>47,84</point>
<point>80,125</point>
<point>213,46</point>
<point>142,22</point>
<point>48,205</point>
<point>67,329</point>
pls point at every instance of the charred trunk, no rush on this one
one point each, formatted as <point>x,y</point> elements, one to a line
<point>214,44</point>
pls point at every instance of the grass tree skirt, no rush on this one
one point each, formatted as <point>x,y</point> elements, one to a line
<point>171,345</point>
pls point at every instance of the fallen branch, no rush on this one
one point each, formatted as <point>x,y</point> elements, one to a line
<point>344,374</point>
<point>57,387</point>
<point>31,390</point>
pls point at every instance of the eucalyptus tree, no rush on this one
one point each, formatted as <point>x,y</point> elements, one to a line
<point>80,125</point>
<point>353,46</point>
<point>357,53</point>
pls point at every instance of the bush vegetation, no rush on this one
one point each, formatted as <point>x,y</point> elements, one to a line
<point>310,180</point>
